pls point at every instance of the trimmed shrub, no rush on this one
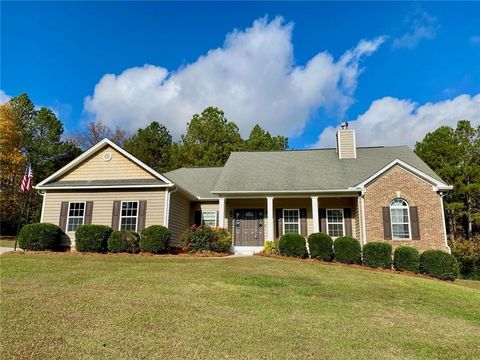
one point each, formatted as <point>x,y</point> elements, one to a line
<point>439,264</point>
<point>320,246</point>
<point>39,236</point>
<point>270,247</point>
<point>124,241</point>
<point>467,253</point>
<point>155,239</point>
<point>92,238</point>
<point>205,238</point>
<point>377,254</point>
<point>347,250</point>
<point>292,245</point>
<point>406,258</point>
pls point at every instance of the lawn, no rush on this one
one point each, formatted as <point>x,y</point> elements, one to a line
<point>7,241</point>
<point>67,306</point>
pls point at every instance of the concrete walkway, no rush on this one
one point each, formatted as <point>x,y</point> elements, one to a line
<point>4,250</point>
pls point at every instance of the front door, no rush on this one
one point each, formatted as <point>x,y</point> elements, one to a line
<point>249,227</point>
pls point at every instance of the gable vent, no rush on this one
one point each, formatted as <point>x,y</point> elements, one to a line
<point>346,145</point>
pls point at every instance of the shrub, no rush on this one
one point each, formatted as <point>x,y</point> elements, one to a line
<point>270,247</point>
<point>155,239</point>
<point>439,264</point>
<point>124,241</point>
<point>320,246</point>
<point>347,250</point>
<point>467,253</point>
<point>377,254</point>
<point>292,244</point>
<point>205,238</point>
<point>39,236</point>
<point>406,258</point>
<point>92,238</point>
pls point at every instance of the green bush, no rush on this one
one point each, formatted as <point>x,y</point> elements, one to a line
<point>467,253</point>
<point>439,264</point>
<point>406,258</point>
<point>270,247</point>
<point>320,246</point>
<point>347,250</point>
<point>124,241</point>
<point>292,244</point>
<point>377,254</point>
<point>155,239</point>
<point>92,238</point>
<point>39,236</point>
<point>205,238</point>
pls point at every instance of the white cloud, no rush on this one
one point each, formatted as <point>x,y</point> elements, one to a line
<point>391,121</point>
<point>422,26</point>
<point>252,77</point>
<point>4,97</point>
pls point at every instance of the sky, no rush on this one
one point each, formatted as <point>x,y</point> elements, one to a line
<point>394,70</point>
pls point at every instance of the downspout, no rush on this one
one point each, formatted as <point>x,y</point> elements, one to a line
<point>166,216</point>
<point>364,227</point>
<point>442,194</point>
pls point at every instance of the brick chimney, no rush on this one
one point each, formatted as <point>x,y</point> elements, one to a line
<point>346,145</point>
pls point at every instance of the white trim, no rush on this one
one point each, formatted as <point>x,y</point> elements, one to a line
<point>102,187</point>
<point>349,190</point>
<point>166,213</point>
<point>413,170</point>
<point>209,211</point>
<point>316,222</point>
<point>270,235</point>
<point>92,150</point>
<point>335,223</point>
<point>363,230</point>
<point>409,223</point>
<point>298,222</point>
<point>129,217</point>
<point>221,212</point>
<point>443,222</point>
<point>354,144</point>
<point>68,213</point>
<point>44,195</point>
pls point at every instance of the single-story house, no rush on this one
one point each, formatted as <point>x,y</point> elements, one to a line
<point>371,193</point>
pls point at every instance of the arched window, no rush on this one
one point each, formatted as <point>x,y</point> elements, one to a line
<point>400,219</point>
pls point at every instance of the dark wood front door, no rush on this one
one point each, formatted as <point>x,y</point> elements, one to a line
<point>249,227</point>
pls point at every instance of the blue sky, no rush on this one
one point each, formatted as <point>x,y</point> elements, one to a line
<point>417,68</point>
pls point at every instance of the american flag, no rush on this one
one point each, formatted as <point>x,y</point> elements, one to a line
<point>27,179</point>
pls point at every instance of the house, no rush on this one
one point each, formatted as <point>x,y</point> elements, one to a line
<point>370,193</point>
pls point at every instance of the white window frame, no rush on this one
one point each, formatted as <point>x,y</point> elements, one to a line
<point>210,211</point>
<point>336,223</point>
<point>69,217</point>
<point>284,222</point>
<point>136,217</point>
<point>402,223</point>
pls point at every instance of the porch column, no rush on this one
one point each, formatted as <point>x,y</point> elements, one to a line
<point>221,212</point>
<point>316,224</point>
<point>270,235</point>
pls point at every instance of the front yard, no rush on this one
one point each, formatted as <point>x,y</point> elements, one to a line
<point>66,306</point>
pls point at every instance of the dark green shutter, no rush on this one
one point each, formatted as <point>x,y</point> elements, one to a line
<point>198,217</point>
<point>88,212</point>
<point>414,223</point>
<point>303,222</point>
<point>142,214</point>
<point>63,216</point>
<point>347,218</point>
<point>387,226</point>
<point>322,214</point>
<point>279,213</point>
<point>116,215</point>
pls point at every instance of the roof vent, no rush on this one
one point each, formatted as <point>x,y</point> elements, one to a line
<point>346,145</point>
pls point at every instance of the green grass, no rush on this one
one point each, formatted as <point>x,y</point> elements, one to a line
<point>66,306</point>
<point>7,242</point>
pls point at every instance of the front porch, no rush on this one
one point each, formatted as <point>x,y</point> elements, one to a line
<point>255,220</point>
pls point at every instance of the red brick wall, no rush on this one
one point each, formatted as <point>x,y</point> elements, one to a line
<point>400,183</point>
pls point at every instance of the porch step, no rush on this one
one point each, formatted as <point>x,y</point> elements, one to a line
<point>247,250</point>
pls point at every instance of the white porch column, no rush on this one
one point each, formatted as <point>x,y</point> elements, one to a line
<point>221,212</point>
<point>270,235</point>
<point>316,223</point>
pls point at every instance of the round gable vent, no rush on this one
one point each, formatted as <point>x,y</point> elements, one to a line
<point>107,156</point>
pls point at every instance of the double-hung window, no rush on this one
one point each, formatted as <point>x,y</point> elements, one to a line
<point>76,215</point>
<point>129,215</point>
<point>209,218</point>
<point>399,217</point>
<point>335,222</point>
<point>291,221</point>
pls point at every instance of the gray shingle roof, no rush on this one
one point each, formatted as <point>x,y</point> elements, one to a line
<point>119,182</point>
<point>197,181</point>
<point>309,169</point>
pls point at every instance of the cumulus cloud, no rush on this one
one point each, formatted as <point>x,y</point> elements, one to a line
<point>422,26</point>
<point>391,121</point>
<point>253,77</point>
<point>4,97</point>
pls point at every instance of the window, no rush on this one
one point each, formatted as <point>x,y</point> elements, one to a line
<point>400,220</point>
<point>129,215</point>
<point>291,221</point>
<point>335,223</point>
<point>209,218</point>
<point>76,215</point>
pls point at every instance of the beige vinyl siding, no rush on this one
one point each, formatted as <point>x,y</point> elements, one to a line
<point>103,205</point>
<point>203,206</point>
<point>179,217</point>
<point>95,168</point>
<point>346,144</point>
